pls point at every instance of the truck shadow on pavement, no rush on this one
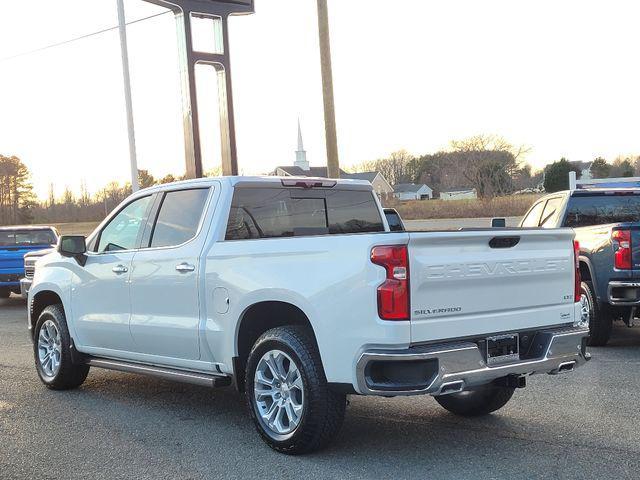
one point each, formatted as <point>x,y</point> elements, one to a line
<point>381,438</point>
<point>551,429</point>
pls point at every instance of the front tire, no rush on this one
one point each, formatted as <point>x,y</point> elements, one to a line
<point>599,316</point>
<point>52,351</point>
<point>5,292</point>
<point>477,401</point>
<point>287,394</point>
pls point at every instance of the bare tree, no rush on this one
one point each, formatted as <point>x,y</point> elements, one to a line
<point>399,167</point>
<point>489,163</point>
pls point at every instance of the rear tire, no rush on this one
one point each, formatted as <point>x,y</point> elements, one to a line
<point>293,410</point>
<point>5,292</point>
<point>600,316</point>
<point>52,351</point>
<point>477,401</point>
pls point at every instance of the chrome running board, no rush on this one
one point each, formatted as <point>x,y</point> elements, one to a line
<point>194,378</point>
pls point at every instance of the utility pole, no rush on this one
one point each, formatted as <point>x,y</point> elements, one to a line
<point>333,163</point>
<point>122,27</point>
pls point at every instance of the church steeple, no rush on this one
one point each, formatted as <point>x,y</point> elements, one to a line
<point>301,154</point>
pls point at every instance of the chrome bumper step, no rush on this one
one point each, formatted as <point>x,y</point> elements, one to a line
<point>460,364</point>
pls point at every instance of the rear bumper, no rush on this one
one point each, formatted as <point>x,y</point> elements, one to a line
<point>454,366</point>
<point>625,292</point>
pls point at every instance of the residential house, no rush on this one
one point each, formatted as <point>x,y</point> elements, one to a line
<point>412,191</point>
<point>459,193</point>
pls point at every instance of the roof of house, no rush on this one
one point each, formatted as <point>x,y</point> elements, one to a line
<point>408,187</point>
<point>457,189</point>
<point>370,176</point>
<point>581,164</point>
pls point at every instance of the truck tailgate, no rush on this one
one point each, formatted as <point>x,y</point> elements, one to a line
<point>475,282</point>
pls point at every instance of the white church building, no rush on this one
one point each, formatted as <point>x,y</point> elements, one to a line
<point>301,168</point>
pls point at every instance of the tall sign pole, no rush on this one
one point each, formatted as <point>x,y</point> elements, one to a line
<point>124,51</point>
<point>333,163</point>
<point>215,13</point>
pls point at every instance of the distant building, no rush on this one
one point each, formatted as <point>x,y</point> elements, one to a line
<point>301,153</point>
<point>380,184</point>
<point>584,168</point>
<point>459,193</point>
<point>301,168</point>
<point>412,191</point>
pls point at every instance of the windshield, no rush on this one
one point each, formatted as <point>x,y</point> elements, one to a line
<point>13,238</point>
<point>585,211</point>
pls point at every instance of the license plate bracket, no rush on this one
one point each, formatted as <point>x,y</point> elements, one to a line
<point>503,348</point>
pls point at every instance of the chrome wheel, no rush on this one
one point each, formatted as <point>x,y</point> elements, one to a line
<point>278,393</point>
<point>585,310</point>
<point>49,348</point>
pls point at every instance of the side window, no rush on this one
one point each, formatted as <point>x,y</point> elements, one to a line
<point>179,217</point>
<point>123,231</point>
<point>550,212</point>
<point>533,217</point>
<point>352,211</point>
<point>394,221</point>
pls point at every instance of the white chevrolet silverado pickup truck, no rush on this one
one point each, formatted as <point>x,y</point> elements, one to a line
<point>296,291</point>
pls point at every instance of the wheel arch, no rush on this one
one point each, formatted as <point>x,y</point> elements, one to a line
<point>257,319</point>
<point>40,301</point>
<point>41,297</point>
<point>587,273</point>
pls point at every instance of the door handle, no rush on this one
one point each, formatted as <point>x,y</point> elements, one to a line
<point>185,267</point>
<point>119,269</point>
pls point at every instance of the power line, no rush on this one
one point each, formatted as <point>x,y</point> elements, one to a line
<point>81,37</point>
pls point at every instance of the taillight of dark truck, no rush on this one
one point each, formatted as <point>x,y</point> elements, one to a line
<point>621,240</point>
<point>577,292</point>
<point>393,294</point>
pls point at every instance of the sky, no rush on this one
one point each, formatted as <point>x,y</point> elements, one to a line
<point>559,77</point>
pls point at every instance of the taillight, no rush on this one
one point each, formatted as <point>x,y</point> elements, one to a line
<point>622,249</point>
<point>577,293</point>
<point>393,294</point>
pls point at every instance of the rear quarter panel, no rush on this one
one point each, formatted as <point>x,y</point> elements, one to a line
<point>330,278</point>
<point>596,250</point>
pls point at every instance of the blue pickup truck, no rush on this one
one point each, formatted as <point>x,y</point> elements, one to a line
<point>606,222</point>
<point>15,243</point>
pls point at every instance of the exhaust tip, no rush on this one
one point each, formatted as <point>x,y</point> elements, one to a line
<point>566,367</point>
<point>451,387</point>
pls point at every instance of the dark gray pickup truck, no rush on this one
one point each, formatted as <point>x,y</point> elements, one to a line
<point>607,226</point>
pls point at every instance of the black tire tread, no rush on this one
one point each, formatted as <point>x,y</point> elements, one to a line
<point>326,408</point>
<point>481,401</point>
<point>601,321</point>
<point>70,375</point>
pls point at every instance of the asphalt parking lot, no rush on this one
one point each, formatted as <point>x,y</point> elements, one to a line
<point>584,424</point>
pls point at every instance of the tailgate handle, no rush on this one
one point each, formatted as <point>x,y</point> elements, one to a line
<point>504,242</point>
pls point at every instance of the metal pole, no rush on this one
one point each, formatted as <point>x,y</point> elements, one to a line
<point>127,95</point>
<point>333,163</point>
<point>573,180</point>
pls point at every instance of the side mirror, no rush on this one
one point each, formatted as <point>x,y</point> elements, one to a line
<point>73,246</point>
<point>498,222</point>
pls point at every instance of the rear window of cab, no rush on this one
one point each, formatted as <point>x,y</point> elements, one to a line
<point>286,212</point>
